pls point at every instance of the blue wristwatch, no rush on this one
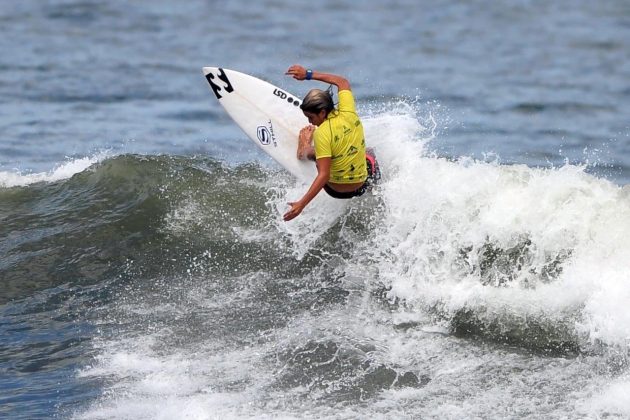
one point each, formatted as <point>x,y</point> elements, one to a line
<point>309,74</point>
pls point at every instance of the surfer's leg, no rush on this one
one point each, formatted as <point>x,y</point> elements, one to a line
<point>374,172</point>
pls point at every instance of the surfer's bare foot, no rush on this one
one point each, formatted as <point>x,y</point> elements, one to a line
<point>305,143</point>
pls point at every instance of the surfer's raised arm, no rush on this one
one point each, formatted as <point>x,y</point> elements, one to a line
<point>344,170</point>
<point>300,73</point>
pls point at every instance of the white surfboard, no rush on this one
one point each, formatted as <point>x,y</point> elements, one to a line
<point>271,117</point>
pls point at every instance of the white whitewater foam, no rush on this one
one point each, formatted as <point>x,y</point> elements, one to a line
<point>303,231</point>
<point>613,401</point>
<point>384,128</point>
<point>435,210</point>
<point>61,171</point>
<point>441,214</point>
<point>150,385</point>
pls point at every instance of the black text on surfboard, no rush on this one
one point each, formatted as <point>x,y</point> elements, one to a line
<point>216,88</point>
<point>283,95</point>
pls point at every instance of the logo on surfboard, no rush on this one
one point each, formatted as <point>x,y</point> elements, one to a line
<point>283,95</point>
<point>227,86</point>
<point>265,135</point>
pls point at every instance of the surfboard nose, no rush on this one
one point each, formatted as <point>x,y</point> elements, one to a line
<point>208,70</point>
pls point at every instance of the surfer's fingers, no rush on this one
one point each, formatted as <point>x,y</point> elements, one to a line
<point>292,212</point>
<point>289,215</point>
<point>298,72</point>
<point>295,75</point>
<point>308,130</point>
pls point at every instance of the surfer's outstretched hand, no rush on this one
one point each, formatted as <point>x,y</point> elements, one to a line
<point>296,209</point>
<point>298,72</point>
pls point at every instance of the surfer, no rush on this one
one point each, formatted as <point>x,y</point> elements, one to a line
<point>334,140</point>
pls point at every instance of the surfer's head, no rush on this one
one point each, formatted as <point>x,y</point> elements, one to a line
<point>316,105</point>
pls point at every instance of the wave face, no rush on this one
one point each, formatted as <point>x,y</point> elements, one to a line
<point>168,286</point>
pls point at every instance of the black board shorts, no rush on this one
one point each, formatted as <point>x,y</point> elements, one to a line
<point>343,195</point>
